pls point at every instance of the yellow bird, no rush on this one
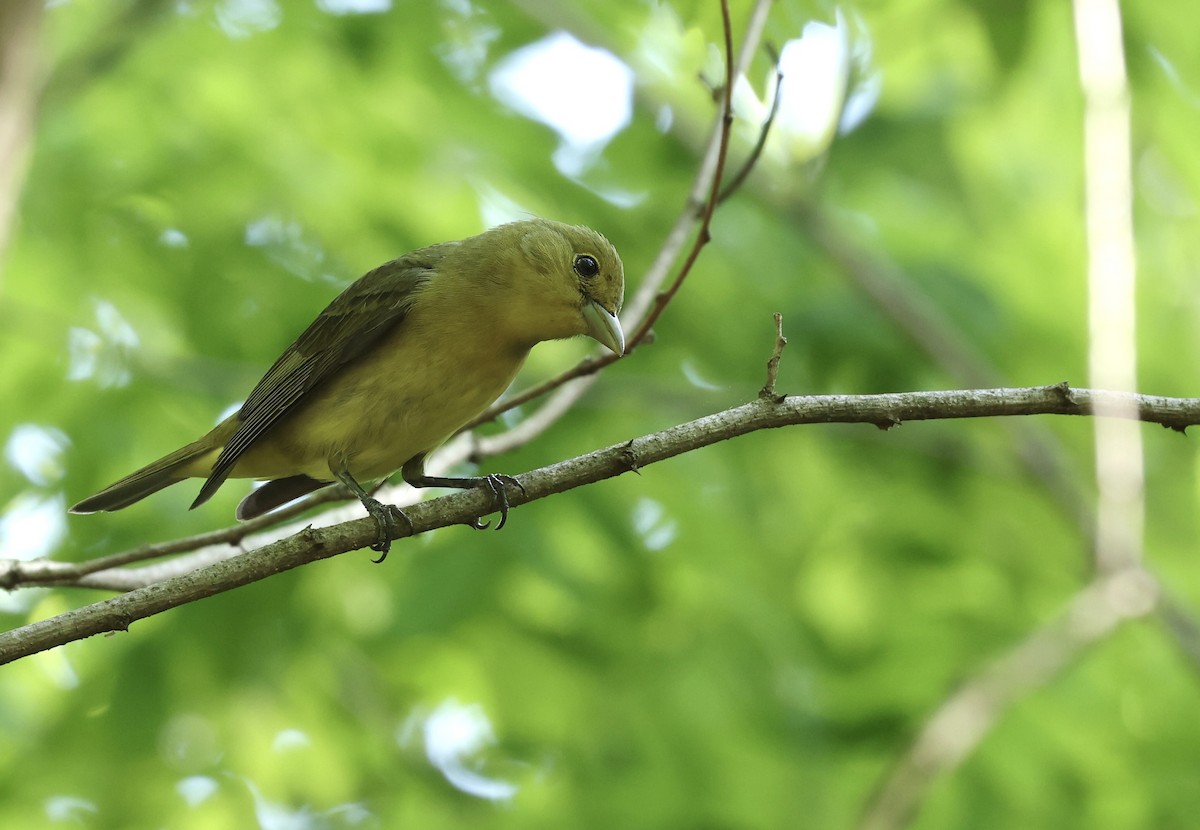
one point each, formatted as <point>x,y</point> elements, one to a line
<point>395,365</point>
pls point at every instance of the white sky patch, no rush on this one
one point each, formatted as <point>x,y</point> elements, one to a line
<point>582,93</point>
<point>829,87</point>
<point>815,69</point>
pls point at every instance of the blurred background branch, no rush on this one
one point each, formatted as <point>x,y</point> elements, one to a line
<point>21,74</point>
<point>965,718</point>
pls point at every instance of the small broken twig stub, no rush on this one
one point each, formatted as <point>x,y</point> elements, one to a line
<point>768,390</point>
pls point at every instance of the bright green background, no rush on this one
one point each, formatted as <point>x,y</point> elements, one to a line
<point>745,637</point>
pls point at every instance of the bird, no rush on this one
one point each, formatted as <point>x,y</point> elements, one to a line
<point>397,363</point>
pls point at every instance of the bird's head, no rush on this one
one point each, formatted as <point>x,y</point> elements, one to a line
<point>566,280</point>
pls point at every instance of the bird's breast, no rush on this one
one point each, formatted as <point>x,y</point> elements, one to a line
<point>404,397</point>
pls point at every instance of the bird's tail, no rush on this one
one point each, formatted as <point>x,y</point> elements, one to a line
<point>150,479</point>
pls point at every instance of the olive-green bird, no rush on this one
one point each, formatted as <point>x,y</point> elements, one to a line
<point>396,364</point>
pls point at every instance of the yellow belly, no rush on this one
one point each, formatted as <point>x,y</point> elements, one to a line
<point>404,398</point>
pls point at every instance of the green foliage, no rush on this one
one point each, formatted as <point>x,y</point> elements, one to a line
<point>745,637</point>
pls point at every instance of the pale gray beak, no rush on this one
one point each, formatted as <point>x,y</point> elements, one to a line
<point>604,327</point>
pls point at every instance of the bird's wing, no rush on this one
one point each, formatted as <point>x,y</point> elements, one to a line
<point>369,308</point>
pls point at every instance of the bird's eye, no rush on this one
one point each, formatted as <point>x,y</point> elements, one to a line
<point>586,266</point>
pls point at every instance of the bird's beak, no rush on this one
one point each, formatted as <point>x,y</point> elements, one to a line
<point>604,327</point>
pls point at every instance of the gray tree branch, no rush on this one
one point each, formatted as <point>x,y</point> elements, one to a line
<point>309,545</point>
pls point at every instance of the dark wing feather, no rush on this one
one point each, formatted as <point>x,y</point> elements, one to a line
<point>368,309</point>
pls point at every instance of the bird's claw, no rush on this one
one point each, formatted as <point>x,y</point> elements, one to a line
<point>495,482</point>
<point>387,522</point>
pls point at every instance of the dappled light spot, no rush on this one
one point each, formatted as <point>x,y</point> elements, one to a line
<point>56,666</point>
<point>196,789</point>
<point>35,451</point>
<point>83,346</point>
<point>650,521</point>
<point>286,244</point>
<point>582,93</point>
<point>497,207</point>
<point>32,526</point>
<point>829,87</point>
<point>348,815</point>
<point>665,49</point>
<point>64,808</point>
<point>354,6</point>
<point>615,196</point>
<point>173,238</point>
<point>102,354</point>
<point>289,739</point>
<point>1187,92</point>
<point>468,32</point>
<point>272,815</point>
<point>227,411</point>
<point>664,118</point>
<point>243,18</point>
<point>453,735</point>
<point>189,742</point>
<point>1162,184</point>
<point>692,373</point>
<point>20,602</point>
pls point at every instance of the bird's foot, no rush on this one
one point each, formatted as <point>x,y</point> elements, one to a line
<point>387,521</point>
<point>496,483</point>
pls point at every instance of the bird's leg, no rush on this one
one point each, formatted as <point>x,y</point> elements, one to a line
<point>387,516</point>
<point>414,473</point>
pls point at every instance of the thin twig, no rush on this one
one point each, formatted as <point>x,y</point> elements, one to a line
<point>710,205</point>
<point>740,177</point>
<point>649,303</point>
